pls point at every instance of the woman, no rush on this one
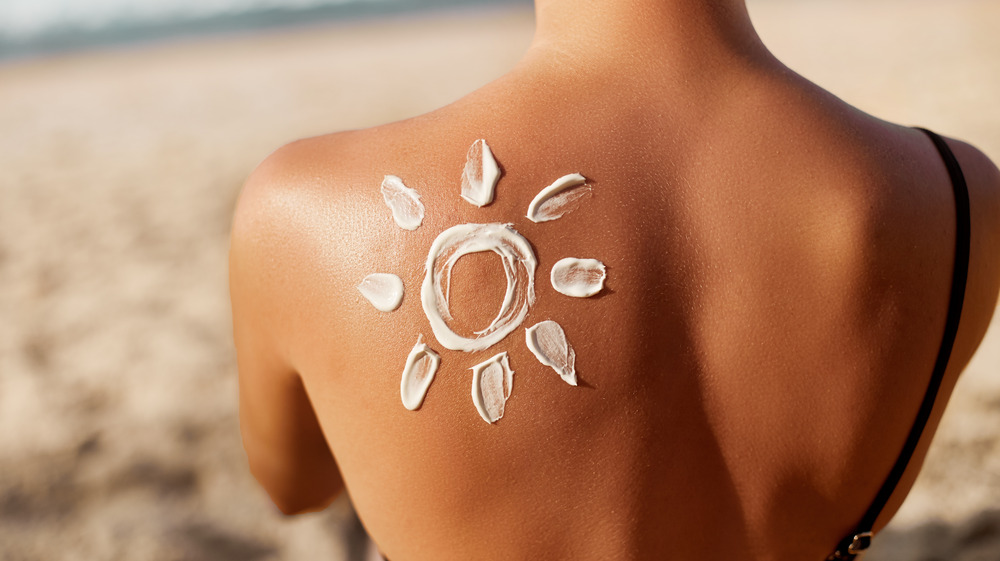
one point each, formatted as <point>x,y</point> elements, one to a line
<point>759,376</point>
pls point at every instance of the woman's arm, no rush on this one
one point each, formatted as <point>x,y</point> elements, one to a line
<point>285,446</point>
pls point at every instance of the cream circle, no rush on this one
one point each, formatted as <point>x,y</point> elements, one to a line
<point>519,264</point>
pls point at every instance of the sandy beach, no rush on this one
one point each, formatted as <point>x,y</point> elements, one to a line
<point>119,169</point>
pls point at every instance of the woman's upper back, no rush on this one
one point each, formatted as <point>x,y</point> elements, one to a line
<point>778,271</point>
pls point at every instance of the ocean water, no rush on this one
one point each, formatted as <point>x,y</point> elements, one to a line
<point>31,27</point>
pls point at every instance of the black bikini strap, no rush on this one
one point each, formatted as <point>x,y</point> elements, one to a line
<point>860,538</point>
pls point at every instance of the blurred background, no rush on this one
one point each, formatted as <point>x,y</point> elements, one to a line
<point>126,130</point>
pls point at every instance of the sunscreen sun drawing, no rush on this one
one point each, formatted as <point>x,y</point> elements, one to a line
<point>493,379</point>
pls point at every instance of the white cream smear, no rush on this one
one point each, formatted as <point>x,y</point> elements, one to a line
<point>383,290</point>
<point>407,210</point>
<point>421,365</point>
<point>578,277</point>
<point>547,341</point>
<point>559,198</point>
<point>479,180</point>
<point>519,266</point>
<point>492,382</point>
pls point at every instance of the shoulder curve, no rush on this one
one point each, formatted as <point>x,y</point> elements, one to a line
<point>271,221</point>
<point>976,164</point>
<point>286,177</point>
<point>983,179</point>
<point>276,237</point>
<point>293,165</point>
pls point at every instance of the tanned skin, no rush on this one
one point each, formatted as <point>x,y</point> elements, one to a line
<point>779,265</point>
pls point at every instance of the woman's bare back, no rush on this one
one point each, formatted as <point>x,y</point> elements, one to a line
<point>778,271</point>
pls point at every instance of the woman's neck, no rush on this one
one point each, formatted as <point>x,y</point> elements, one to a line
<point>673,32</point>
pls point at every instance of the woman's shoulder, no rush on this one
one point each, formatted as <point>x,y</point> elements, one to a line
<point>983,180</point>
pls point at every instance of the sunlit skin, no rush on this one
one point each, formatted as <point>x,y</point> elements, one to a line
<point>778,271</point>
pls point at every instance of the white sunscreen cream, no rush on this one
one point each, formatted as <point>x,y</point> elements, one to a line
<point>578,277</point>
<point>479,180</point>
<point>407,210</point>
<point>559,198</point>
<point>547,341</point>
<point>383,290</point>
<point>421,365</point>
<point>492,382</point>
<point>519,265</point>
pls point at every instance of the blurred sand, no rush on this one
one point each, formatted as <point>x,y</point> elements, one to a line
<point>118,173</point>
